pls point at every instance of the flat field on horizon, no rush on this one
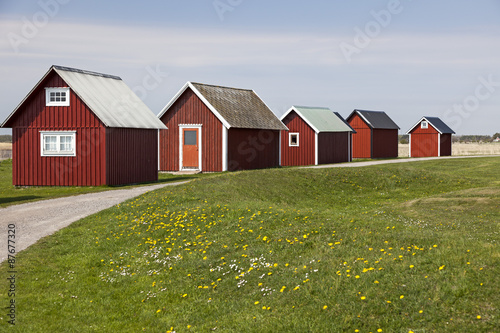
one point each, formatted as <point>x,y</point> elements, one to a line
<point>462,149</point>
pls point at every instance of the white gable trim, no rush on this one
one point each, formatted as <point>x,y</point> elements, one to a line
<point>422,119</point>
<point>201,97</point>
<point>301,116</point>
<point>366,120</point>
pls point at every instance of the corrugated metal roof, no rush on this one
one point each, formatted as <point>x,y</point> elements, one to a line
<point>345,121</point>
<point>376,119</point>
<point>320,119</point>
<point>435,122</point>
<point>112,101</point>
<point>241,108</point>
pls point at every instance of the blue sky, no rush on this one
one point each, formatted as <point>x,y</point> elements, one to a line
<point>409,58</point>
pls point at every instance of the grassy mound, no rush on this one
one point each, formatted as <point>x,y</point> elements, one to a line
<point>390,248</point>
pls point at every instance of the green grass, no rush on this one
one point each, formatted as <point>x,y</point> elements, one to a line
<point>391,248</point>
<point>13,195</point>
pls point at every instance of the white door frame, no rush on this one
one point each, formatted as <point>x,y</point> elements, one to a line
<point>181,141</point>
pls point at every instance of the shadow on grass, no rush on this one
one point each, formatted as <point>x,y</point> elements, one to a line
<point>20,198</point>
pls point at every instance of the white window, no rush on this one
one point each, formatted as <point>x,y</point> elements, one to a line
<point>57,96</point>
<point>58,143</point>
<point>293,139</point>
<point>424,124</point>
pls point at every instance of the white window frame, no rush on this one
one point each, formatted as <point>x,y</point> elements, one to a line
<point>290,139</point>
<point>48,91</point>
<point>58,151</point>
<point>424,124</point>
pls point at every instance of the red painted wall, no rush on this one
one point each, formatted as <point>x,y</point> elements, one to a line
<point>304,153</point>
<point>189,109</point>
<point>333,147</point>
<point>424,141</point>
<point>111,156</point>
<point>361,140</point>
<point>30,168</point>
<point>131,155</point>
<point>252,149</point>
<point>385,143</point>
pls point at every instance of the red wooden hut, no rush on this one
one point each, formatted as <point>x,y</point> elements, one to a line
<point>315,135</point>
<point>376,134</point>
<point>430,136</point>
<point>81,128</point>
<point>213,128</point>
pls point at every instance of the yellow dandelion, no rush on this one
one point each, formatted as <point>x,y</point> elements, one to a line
<point>256,302</point>
<point>402,296</point>
<point>478,317</point>
<point>325,307</point>
<point>363,297</point>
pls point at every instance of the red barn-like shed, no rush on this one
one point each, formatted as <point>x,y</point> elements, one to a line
<point>213,128</point>
<point>430,136</point>
<point>81,128</point>
<point>316,135</point>
<point>376,134</point>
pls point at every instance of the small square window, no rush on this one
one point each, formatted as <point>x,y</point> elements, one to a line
<point>57,96</point>
<point>190,137</point>
<point>293,140</point>
<point>424,124</point>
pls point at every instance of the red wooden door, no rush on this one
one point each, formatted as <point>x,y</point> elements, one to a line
<point>190,148</point>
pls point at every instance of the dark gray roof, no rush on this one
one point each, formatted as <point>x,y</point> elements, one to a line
<point>375,119</point>
<point>437,123</point>
<point>440,125</point>
<point>241,108</point>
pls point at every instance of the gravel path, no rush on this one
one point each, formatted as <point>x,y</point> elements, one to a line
<point>35,220</point>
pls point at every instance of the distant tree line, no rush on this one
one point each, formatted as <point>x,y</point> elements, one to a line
<point>403,139</point>
<point>475,138</point>
<point>6,138</point>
